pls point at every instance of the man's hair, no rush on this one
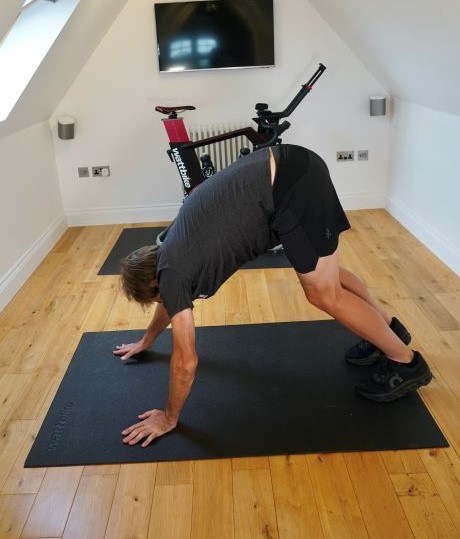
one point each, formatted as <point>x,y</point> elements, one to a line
<point>138,270</point>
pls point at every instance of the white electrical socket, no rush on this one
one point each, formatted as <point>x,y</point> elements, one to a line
<point>348,155</point>
<point>101,172</point>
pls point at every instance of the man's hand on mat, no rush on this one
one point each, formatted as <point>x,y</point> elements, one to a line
<point>128,350</point>
<point>154,424</point>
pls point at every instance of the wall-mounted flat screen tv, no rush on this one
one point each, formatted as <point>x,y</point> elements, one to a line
<point>217,34</point>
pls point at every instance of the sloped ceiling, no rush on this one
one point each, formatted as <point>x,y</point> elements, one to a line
<point>78,40</point>
<point>411,46</point>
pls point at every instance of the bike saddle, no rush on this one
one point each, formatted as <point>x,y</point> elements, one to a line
<point>172,111</point>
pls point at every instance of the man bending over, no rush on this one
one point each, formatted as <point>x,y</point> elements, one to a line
<point>275,195</point>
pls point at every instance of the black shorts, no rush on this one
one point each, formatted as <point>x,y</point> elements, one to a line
<point>308,216</point>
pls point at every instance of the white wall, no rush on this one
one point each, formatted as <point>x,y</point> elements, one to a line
<point>31,212</point>
<point>424,187</point>
<point>114,96</point>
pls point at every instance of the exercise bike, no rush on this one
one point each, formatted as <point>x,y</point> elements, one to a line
<point>194,170</point>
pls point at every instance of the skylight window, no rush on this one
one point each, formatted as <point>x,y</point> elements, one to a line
<point>29,29</point>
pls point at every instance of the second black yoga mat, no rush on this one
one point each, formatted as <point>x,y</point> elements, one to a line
<point>131,239</point>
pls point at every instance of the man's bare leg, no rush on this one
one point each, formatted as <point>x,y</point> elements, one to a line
<point>340,294</point>
<point>353,284</point>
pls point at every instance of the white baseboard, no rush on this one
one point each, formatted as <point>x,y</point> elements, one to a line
<point>12,281</point>
<point>364,201</point>
<point>167,212</point>
<point>112,216</point>
<point>438,244</point>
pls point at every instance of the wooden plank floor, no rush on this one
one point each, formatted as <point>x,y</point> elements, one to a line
<point>397,494</point>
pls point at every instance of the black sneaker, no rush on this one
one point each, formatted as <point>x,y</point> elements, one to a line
<point>392,380</point>
<point>365,353</point>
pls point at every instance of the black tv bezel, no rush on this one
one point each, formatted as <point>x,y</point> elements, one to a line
<point>188,70</point>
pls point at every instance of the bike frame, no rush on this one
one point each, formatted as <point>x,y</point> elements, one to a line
<point>182,150</point>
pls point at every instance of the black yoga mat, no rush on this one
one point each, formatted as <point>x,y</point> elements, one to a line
<point>263,389</point>
<point>131,239</point>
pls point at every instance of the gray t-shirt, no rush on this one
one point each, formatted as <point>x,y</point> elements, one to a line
<point>223,224</point>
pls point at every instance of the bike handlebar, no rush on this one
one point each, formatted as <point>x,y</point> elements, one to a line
<point>268,121</point>
<point>276,132</point>
<point>267,115</point>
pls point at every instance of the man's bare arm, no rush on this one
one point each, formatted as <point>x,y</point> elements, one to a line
<point>159,322</point>
<point>184,360</point>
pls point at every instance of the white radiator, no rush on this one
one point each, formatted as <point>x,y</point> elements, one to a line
<point>222,153</point>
